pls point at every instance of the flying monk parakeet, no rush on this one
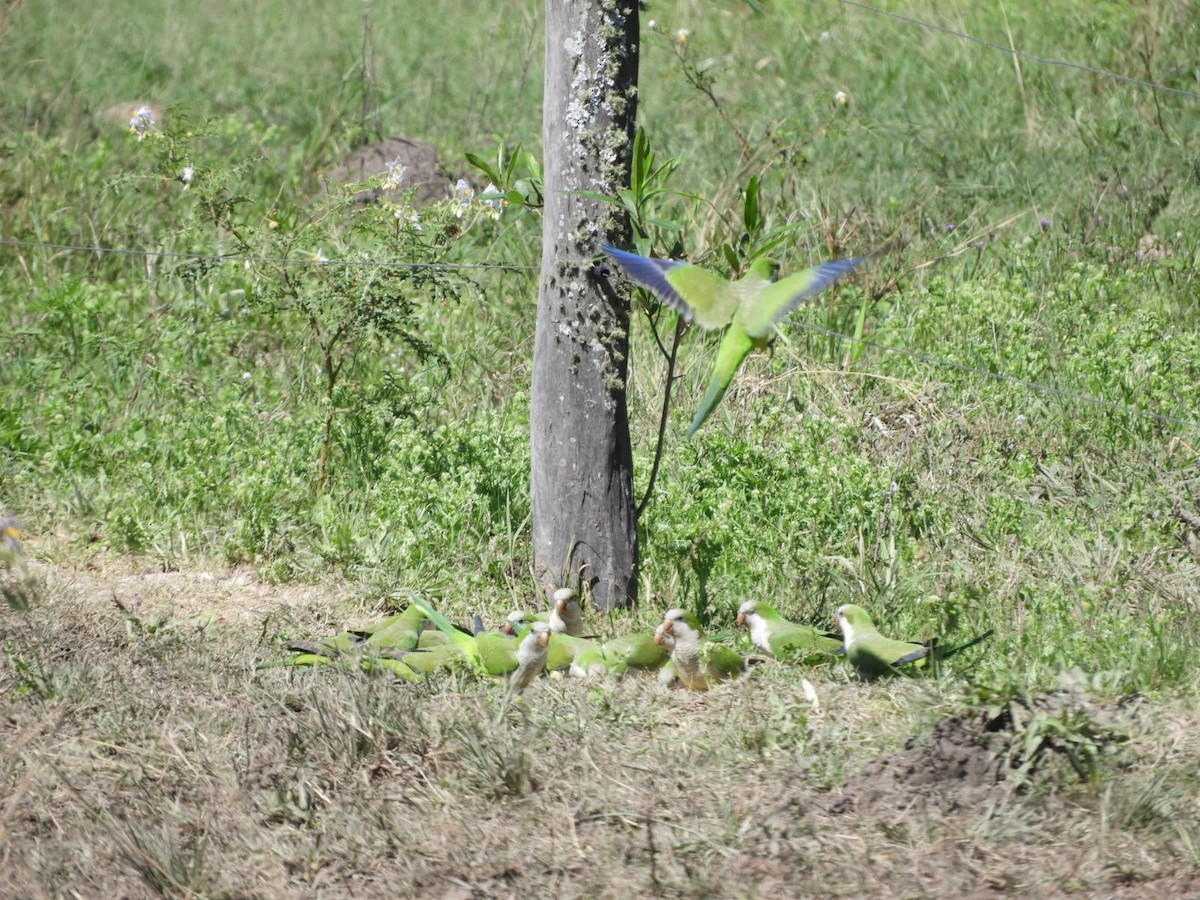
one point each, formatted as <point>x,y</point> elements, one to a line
<point>784,640</point>
<point>698,663</point>
<point>748,309</point>
<point>873,655</point>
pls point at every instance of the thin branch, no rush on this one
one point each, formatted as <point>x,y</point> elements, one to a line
<point>662,422</point>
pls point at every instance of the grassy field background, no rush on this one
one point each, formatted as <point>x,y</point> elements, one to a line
<point>162,422</point>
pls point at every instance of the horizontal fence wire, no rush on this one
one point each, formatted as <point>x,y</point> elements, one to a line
<point>885,348</point>
<point>921,357</point>
<point>280,260</point>
<point>1000,376</point>
<point>1013,51</point>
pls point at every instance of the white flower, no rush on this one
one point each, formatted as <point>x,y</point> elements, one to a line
<point>496,205</point>
<point>246,376</point>
<point>320,258</point>
<point>189,173</point>
<point>395,174</point>
<point>411,215</point>
<point>682,35</point>
<point>841,98</point>
<point>465,194</point>
<point>825,36</point>
<point>652,24</point>
<point>143,119</point>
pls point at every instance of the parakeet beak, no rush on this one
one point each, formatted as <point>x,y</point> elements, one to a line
<point>508,629</point>
<point>741,619</point>
<point>544,639</point>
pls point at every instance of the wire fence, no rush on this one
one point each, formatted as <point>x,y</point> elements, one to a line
<point>1053,390</point>
<point>279,260</point>
<point>1049,389</point>
<point>1013,51</point>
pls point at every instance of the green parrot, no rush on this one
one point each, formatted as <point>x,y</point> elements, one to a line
<point>586,657</point>
<point>518,620</point>
<point>567,615</point>
<point>491,651</point>
<point>394,635</point>
<point>635,651</point>
<point>531,656</point>
<point>698,663</point>
<point>346,663</point>
<point>751,307</point>
<point>428,660</point>
<point>873,655</point>
<point>666,675</point>
<point>784,640</point>
<point>564,617</point>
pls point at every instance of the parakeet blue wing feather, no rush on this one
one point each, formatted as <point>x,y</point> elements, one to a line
<point>695,293</point>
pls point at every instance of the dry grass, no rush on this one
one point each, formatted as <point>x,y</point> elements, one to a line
<point>141,754</point>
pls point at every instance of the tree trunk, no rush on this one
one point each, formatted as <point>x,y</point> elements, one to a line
<point>584,524</point>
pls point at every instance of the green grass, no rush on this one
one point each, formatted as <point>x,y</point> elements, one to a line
<point>174,412</point>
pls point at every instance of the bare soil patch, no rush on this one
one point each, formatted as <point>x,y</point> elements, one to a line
<point>142,754</point>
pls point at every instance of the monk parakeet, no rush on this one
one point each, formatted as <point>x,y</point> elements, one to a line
<point>784,640</point>
<point>564,617</point>
<point>347,663</point>
<point>585,658</point>
<point>531,656</point>
<point>491,651</point>
<point>635,651</point>
<point>873,655</point>
<point>751,307</point>
<point>394,634</point>
<point>432,659</point>
<point>575,655</point>
<point>567,615</point>
<point>518,620</point>
<point>698,663</point>
<point>666,675</point>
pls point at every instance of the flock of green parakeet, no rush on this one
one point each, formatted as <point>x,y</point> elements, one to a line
<point>748,309</point>
<point>527,646</point>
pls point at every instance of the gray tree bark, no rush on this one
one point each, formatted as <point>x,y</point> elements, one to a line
<point>584,520</point>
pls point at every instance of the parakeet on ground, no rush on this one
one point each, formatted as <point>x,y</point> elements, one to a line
<point>389,638</point>
<point>491,651</point>
<point>564,617</point>
<point>567,615</point>
<point>873,655</point>
<point>635,651</point>
<point>698,663</point>
<point>748,309</point>
<point>784,640</point>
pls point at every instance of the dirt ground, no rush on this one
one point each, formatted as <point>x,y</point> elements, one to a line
<point>143,754</point>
